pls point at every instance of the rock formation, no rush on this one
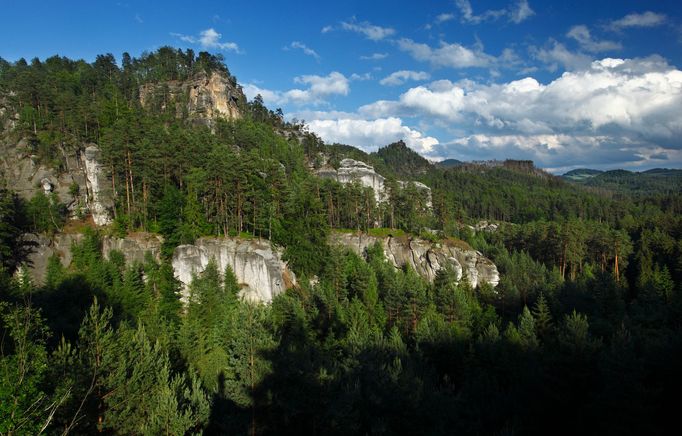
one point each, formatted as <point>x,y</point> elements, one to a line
<point>100,200</point>
<point>351,170</point>
<point>427,258</point>
<point>27,176</point>
<point>258,268</point>
<point>203,98</point>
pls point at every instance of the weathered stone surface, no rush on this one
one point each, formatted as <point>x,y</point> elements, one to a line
<point>351,170</point>
<point>425,257</point>
<point>26,176</point>
<point>59,244</point>
<point>256,265</point>
<point>100,201</point>
<point>259,268</point>
<point>134,247</point>
<point>203,98</point>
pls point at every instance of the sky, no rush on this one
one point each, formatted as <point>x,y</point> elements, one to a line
<point>594,84</point>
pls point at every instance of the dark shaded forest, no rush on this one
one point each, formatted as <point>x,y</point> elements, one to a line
<point>581,336</point>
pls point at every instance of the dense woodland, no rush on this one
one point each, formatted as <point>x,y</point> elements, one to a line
<point>581,336</point>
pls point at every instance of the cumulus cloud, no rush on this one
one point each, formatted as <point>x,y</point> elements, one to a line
<point>297,45</point>
<point>447,55</point>
<point>371,134</point>
<point>400,77</point>
<point>615,110</point>
<point>318,88</point>
<point>515,13</point>
<point>645,19</point>
<point>209,39</point>
<point>583,36</point>
<point>556,54</point>
<point>365,28</point>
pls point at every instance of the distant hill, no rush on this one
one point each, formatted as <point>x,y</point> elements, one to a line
<point>402,160</point>
<point>654,181</point>
<point>449,163</point>
<point>580,174</point>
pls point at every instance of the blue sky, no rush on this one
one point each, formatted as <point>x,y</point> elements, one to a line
<point>567,84</point>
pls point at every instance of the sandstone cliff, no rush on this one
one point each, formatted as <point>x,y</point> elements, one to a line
<point>351,170</point>
<point>80,169</point>
<point>258,268</point>
<point>427,258</point>
<point>202,98</point>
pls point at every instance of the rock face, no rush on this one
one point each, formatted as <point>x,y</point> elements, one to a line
<point>258,268</point>
<point>99,193</point>
<point>351,170</point>
<point>26,176</point>
<point>134,247</point>
<point>59,244</point>
<point>427,258</point>
<point>203,98</point>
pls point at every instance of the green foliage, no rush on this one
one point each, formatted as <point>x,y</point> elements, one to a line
<point>24,406</point>
<point>358,346</point>
<point>13,248</point>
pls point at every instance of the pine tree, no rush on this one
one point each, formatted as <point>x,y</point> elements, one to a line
<point>527,329</point>
<point>543,317</point>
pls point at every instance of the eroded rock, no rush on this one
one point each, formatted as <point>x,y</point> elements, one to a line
<point>258,268</point>
<point>202,98</point>
<point>99,196</point>
<point>427,258</point>
<point>351,170</point>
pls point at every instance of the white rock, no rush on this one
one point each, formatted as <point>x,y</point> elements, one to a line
<point>426,258</point>
<point>258,268</point>
<point>95,179</point>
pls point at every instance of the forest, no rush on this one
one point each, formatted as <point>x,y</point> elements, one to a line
<point>583,335</point>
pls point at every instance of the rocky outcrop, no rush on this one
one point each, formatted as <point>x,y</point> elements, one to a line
<point>100,201</point>
<point>351,170</point>
<point>82,184</point>
<point>59,244</point>
<point>258,268</point>
<point>202,98</point>
<point>427,258</point>
<point>134,247</point>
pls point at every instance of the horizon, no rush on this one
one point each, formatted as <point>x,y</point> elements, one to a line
<point>585,86</point>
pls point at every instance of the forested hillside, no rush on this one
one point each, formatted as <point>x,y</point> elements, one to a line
<point>627,183</point>
<point>583,334</point>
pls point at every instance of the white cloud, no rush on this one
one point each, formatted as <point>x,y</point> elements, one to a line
<point>614,110</point>
<point>374,57</point>
<point>361,77</point>
<point>369,30</point>
<point>297,45</point>
<point>558,55</point>
<point>371,134</point>
<point>319,87</point>
<point>209,39</point>
<point>515,13</point>
<point>442,18</point>
<point>645,19</point>
<point>400,77</point>
<point>447,55</point>
<point>520,11</point>
<point>583,36</point>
